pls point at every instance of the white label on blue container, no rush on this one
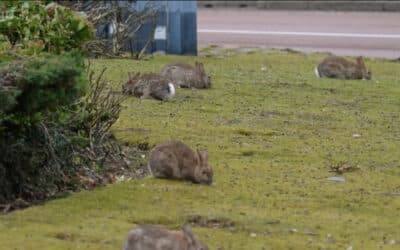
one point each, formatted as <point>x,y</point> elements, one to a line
<point>160,33</point>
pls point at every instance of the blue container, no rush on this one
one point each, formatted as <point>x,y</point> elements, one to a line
<point>176,30</point>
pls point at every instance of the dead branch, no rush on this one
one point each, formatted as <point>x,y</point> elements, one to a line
<point>126,24</point>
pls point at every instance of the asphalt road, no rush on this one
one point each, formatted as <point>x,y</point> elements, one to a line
<point>372,34</point>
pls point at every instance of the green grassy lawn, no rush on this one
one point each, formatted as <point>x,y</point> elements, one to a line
<point>273,132</point>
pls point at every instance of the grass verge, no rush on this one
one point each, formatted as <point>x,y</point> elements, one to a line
<point>273,131</point>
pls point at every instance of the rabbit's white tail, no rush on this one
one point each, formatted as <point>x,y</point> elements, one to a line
<point>317,72</point>
<point>171,89</point>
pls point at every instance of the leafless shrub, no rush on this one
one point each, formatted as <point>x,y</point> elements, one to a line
<point>95,115</point>
<point>124,21</point>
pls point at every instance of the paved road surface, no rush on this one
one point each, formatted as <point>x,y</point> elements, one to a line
<point>373,34</point>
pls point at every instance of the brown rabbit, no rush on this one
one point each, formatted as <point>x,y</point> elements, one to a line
<point>339,67</point>
<point>149,237</point>
<point>149,85</point>
<point>186,75</point>
<point>175,160</point>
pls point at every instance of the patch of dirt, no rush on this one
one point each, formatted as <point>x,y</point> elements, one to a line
<point>269,114</point>
<point>308,116</point>
<point>130,164</point>
<point>136,130</point>
<point>17,204</point>
<point>133,164</point>
<point>291,51</point>
<point>343,167</point>
<point>221,52</point>
<point>273,221</point>
<point>248,153</point>
<point>202,221</point>
<point>244,132</point>
<point>65,236</point>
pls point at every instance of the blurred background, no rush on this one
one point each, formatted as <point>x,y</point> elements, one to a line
<point>368,28</point>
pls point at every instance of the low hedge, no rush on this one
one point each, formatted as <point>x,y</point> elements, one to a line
<point>34,95</point>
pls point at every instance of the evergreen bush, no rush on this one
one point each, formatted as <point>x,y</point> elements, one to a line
<point>54,126</point>
<point>32,93</point>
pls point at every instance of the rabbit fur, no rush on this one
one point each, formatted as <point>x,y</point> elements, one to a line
<point>175,160</point>
<point>149,85</point>
<point>339,67</point>
<point>186,75</point>
<point>151,237</point>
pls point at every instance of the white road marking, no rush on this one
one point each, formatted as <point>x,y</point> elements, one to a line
<point>288,33</point>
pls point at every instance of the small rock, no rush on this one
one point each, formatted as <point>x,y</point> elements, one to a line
<point>253,235</point>
<point>310,233</point>
<point>337,179</point>
<point>392,242</point>
<point>356,135</point>
<point>263,68</point>
<point>349,248</point>
<point>143,156</point>
<point>293,230</point>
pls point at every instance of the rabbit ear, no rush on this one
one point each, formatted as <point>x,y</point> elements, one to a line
<point>199,154</point>
<point>187,231</point>
<point>135,77</point>
<point>198,65</point>
<point>201,67</point>
<point>360,62</point>
<point>204,155</point>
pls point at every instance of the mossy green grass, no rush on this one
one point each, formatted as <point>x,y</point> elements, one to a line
<point>273,131</point>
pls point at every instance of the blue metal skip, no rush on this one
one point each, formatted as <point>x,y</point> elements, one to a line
<point>176,31</point>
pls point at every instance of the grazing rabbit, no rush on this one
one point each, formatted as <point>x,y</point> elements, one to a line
<point>175,160</point>
<point>339,67</point>
<point>186,75</point>
<point>149,85</point>
<point>149,237</point>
